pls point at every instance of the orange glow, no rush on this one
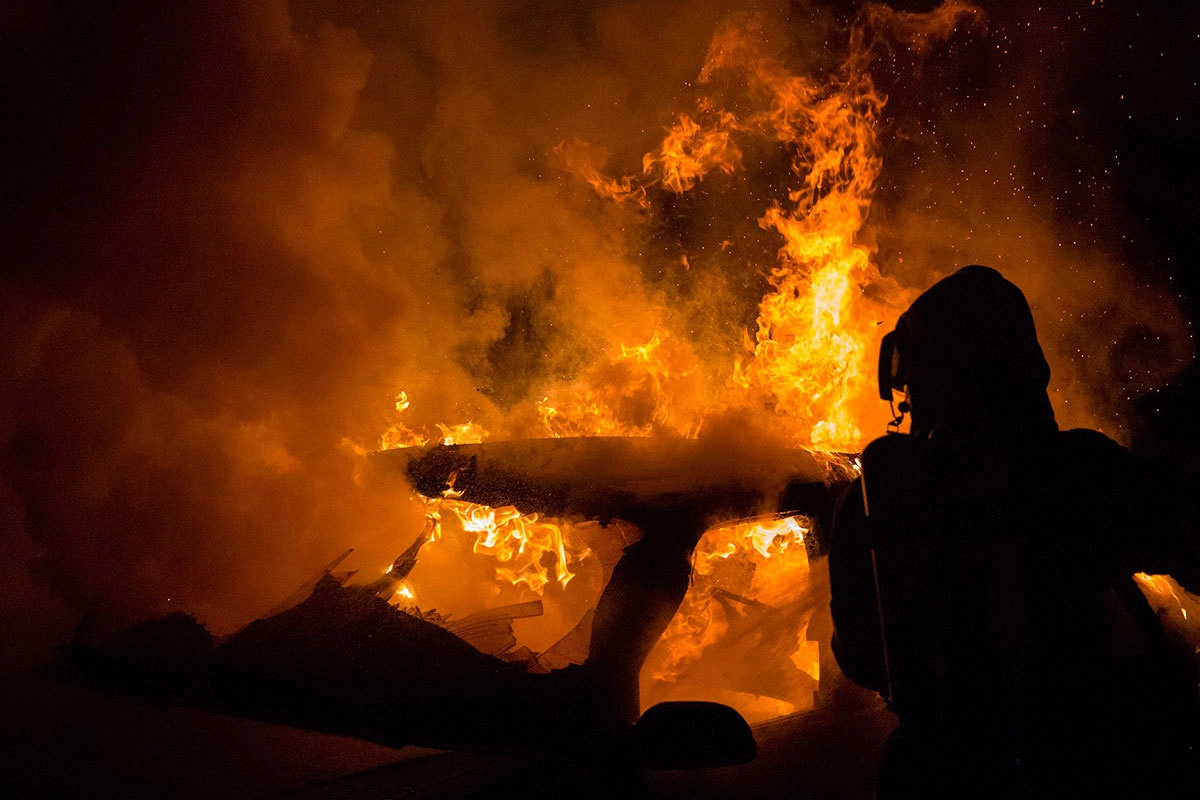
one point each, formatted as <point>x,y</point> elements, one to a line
<point>1168,596</point>
<point>804,370</point>
<point>1177,608</point>
<point>689,152</point>
<point>807,363</point>
<point>644,390</point>
<point>808,359</point>
<point>464,433</point>
<point>526,550</point>
<point>757,570</point>
<point>581,158</point>
<point>400,435</point>
<point>520,544</point>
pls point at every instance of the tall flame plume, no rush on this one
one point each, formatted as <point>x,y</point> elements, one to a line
<point>804,367</point>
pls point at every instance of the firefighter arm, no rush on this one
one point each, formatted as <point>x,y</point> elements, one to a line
<point>857,639</point>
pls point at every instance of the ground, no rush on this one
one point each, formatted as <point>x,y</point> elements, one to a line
<point>62,741</point>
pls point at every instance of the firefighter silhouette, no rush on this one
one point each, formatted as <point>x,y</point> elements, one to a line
<point>981,573</point>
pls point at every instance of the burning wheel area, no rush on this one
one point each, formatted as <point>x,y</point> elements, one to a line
<point>744,633</point>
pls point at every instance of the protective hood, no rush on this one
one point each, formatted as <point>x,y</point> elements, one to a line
<point>967,350</point>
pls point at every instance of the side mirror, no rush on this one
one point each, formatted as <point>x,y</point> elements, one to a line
<point>692,735</point>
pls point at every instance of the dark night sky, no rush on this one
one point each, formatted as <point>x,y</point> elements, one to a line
<point>1134,74</point>
<point>1127,86</point>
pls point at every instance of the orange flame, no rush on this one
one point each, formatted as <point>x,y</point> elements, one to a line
<point>806,362</point>
<point>645,390</point>
<point>520,543</point>
<point>525,548</point>
<point>690,152</point>
<point>580,159</point>
<point>765,562</point>
<point>398,434</point>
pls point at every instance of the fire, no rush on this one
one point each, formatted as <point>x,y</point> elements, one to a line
<point>816,329</point>
<point>528,551</point>
<point>643,391</point>
<point>807,360</point>
<point>521,544</point>
<point>689,152</point>
<point>745,615</point>
<point>463,433</point>
<point>805,365</point>
<point>808,357</point>
<point>400,435</point>
<point>1177,608</point>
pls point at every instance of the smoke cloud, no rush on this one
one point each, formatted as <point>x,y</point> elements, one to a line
<point>233,232</point>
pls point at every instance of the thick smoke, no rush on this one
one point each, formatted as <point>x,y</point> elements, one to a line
<point>234,231</point>
<point>239,229</point>
<point>202,318</point>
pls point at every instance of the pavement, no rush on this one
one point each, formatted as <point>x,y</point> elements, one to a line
<point>59,741</point>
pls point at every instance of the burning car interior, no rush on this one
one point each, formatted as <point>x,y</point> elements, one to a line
<point>434,400</point>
